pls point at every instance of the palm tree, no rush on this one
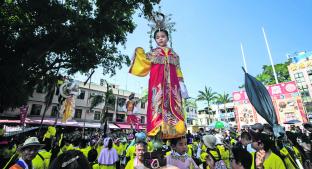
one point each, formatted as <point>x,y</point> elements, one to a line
<point>207,95</point>
<point>224,99</point>
<point>50,85</point>
<point>98,99</point>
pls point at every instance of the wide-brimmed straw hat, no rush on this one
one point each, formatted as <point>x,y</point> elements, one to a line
<point>30,142</point>
<point>210,141</point>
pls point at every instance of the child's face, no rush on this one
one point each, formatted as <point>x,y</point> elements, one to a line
<point>181,146</point>
<point>161,39</point>
<point>140,150</point>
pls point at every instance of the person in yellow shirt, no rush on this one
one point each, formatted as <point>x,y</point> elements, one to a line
<point>118,146</point>
<point>124,145</point>
<point>190,150</point>
<point>119,149</point>
<point>150,146</point>
<point>212,152</point>
<point>264,157</point>
<point>291,154</point>
<point>72,159</point>
<point>92,158</point>
<point>99,146</point>
<point>225,154</point>
<point>130,152</point>
<point>42,160</point>
<point>28,152</point>
<point>67,146</point>
<point>84,148</point>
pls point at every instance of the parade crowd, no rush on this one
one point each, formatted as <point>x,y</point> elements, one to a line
<point>254,147</point>
<point>170,146</point>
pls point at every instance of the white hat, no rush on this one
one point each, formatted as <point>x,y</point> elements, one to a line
<point>219,141</point>
<point>31,141</point>
<point>210,141</point>
<point>106,141</point>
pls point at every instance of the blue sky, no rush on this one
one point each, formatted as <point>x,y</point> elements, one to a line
<point>208,37</point>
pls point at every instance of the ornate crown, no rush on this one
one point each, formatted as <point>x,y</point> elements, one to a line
<point>160,21</point>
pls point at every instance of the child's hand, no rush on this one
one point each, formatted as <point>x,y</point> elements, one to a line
<point>260,159</point>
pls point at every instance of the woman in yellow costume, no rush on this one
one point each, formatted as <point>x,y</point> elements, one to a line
<point>164,110</point>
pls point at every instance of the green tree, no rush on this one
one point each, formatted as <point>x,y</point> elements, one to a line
<point>42,39</point>
<point>267,75</point>
<point>208,96</point>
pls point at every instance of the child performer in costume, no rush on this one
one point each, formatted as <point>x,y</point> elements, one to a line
<point>178,156</point>
<point>164,111</point>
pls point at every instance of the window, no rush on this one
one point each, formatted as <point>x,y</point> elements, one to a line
<point>78,113</point>
<point>232,119</point>
<point>305,93</point>
<point>111,103</point>
<point>121,104</point>
<point>120,117</point>
<point>189,121</point>
<point>54,111</point>
<point>82,95</point>
<point>109,117</point>
<point>36,109</point>
<point>299,77</point>
<point>310,75</point>
<point>41,88</point>
<point>142,120</point>
<point>142,105</point>
<point>97,115</point>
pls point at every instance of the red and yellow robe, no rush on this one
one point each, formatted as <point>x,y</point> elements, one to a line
<point>164,110</point>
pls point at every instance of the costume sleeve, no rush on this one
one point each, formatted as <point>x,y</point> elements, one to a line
<point>140,65</point>
<point>179,72</point>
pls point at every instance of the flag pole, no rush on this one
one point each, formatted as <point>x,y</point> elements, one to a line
<point>269,52</point>
<point>243,54</point>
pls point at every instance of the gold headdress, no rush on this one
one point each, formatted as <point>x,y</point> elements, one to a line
<point>160,21</point>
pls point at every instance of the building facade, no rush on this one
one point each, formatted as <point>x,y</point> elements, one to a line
<point>224,112</point>
<point>300,70</point>
<point>203,119</point>
<point>191,113</point>
<point>116,109</point>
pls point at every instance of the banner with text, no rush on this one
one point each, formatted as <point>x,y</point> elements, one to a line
<point>286,100</point>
